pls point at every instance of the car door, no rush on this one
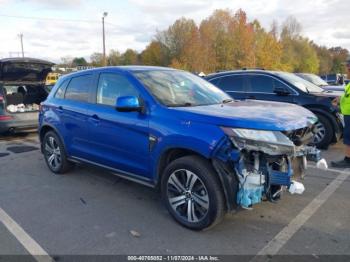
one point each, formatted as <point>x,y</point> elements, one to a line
<point>120,140</point>
<point>234,85</point>
<point>72,110</point>
<point>265,87</point>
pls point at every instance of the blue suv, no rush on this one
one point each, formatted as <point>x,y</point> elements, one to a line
<point>172,130</point>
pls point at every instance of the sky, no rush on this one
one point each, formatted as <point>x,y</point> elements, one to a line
<point>53,29</point>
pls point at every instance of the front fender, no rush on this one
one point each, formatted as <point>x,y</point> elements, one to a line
<point>197,137</point>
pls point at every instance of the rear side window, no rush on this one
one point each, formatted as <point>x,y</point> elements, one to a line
<point>261,84</point>
<point>232,83</point>
<point>78,88</point>
<point>60,90</point>
<point>111,86</point>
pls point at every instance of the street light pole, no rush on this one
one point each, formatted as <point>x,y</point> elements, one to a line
<point>104,38</point>
<point>21,38</point>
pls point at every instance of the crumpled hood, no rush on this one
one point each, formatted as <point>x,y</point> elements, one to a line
<point>252,114</point>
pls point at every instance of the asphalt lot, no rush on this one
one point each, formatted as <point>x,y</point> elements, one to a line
<point>91,212</point>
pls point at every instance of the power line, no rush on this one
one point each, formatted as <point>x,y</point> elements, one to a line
<point>56,19</point>
<point>50,18</point>
<point>21,38</point>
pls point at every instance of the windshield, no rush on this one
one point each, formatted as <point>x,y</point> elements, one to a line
<point>314,79</point>
<point>178,88</point>
<point>300,83</point>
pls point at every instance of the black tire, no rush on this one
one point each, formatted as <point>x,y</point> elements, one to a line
<point>206,186</point>
<point>52,140</point>
<point>328,132</point>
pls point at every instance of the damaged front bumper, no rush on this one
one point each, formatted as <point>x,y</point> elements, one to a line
<point>252,170</point>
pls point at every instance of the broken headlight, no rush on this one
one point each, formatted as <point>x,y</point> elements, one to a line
<point>269,142</point>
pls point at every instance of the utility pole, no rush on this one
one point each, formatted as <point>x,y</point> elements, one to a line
<point>104,38</point>
<point>21,38</point>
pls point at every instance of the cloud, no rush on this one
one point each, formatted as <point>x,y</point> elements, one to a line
<point>342,34</point>
<point>133,23</point>
<point>52,3</point>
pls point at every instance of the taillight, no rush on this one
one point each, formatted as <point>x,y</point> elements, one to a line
<point>5,117</point>
<point>1,98</point>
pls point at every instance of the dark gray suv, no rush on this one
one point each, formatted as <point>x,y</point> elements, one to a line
<point>22,89</point>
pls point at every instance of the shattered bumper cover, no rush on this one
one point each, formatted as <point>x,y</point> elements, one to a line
<point>255,170</point>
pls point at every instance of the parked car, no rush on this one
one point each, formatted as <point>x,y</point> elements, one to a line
<point>289,88</point>
<point>334,79</point>
<point>171,129</point>
<point>316,80</point>
<point>21,92</point>
<point>52,78</point>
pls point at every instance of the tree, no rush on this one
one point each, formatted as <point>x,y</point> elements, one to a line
<point>268,51</point>
<point>153,54</point>
<point>96,59</point>
<point>67,61</point>
<point>130,57</point>
<point>216,41</point>
<point>227,40</point>
<point>114,58</point>
<point>325,58</point>
<point>291,28</point>
<point>176,37</point>
<point>243,41</point>
<point>79,61</point>
<point>339,56</point>
<point>298,54</point>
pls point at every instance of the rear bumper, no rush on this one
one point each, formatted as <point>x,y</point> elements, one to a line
<point>16,125</point>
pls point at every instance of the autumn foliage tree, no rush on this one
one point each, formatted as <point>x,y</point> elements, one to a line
<point>227,40</point>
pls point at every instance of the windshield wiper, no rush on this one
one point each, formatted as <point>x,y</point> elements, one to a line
<point>225,101</point>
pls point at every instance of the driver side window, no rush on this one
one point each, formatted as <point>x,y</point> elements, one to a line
<point>111,86</point>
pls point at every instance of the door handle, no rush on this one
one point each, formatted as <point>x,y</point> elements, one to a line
<point>60,109</point>
<point>95,119</point>
<point>251,97</point>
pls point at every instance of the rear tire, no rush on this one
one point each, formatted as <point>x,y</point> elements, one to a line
<point>325,132</point>
<point>192,193</point>
<point>54,153</point>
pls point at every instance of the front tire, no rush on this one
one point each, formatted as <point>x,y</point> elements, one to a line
<point>54,153</point>
<point>324,132</point>
<point>192,193</point>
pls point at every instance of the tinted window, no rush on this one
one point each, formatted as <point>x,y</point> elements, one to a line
<point>214,81</point>
<point>261,84</point>
<point>60,91</point>
<point>111,86</point>
<point>233,83</point>
<point>78,88</point>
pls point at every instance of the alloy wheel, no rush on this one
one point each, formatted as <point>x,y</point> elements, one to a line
<point>53,153</point>
<point>187,195</point>
<point>320,132</point>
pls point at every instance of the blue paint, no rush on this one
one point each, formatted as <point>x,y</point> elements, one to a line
<point>121,140</point>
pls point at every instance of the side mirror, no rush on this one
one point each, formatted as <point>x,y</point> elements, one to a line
<point>128,104</point>
<point>281,91</point>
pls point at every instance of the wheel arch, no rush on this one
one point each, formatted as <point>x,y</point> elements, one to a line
<point>226,180</point>
<point>170,154</point>
<point>46,128</point>
<point>330,117</point>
